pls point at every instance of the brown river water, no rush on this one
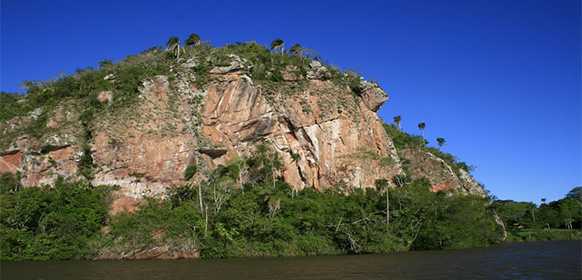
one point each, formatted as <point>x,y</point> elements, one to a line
<point>533,260</point>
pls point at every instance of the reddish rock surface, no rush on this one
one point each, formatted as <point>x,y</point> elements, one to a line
<point>442,176</point>
<point>326,135</point>
<point>10,162</point>
<point>123,204</point>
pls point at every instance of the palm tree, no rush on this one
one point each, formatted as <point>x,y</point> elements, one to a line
<point>422,126</point>
<point>193,40</point>
<point>397,120</point>
<point>441,141</point>
<point>382,185</point>
<point>173,45</point>
<point>296,50</point>
<point>277,44</point>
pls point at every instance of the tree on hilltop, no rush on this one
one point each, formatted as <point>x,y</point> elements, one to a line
<point>193,40</point>
<point>422,126</point>
<point>397,120</point>
<point>277,44</point>
<point>296,50</point>
<point>441,141</point>
<point>173,45</point>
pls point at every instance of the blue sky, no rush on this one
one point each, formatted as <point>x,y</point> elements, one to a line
<point>500,80</point>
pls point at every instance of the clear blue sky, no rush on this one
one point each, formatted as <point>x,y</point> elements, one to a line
<point>500,80</point>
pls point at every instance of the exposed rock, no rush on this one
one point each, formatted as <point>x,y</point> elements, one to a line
<point>317,71</point>
<point>44,169</point>
<point>147,151</point>
<point>36,113</point>
<point>292,74</point>
<point>470,184</point>
<point>238,115</point>
<point>122,204</point>
<point>373,95</point>
<point>325,135</point>
<point>236,64</point>
<point>423,164</point>
<point>60,116</point>
<point>213,152</point>
<point>190,63</point>
<point>105,96</point>
<point>10,162</point>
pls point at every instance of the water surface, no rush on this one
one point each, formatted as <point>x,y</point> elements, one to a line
<point>533,260</point>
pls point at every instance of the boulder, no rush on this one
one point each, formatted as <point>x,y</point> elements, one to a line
<point>317,71</point>
<point>105,96</point>
<point>372,95</point>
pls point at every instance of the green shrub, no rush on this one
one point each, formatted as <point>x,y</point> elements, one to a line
<point>51,223</point>
<point>190,171</point>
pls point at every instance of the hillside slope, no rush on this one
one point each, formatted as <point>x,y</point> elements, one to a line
<point>141,123</point>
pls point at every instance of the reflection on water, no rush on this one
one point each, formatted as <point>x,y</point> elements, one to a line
<point>534,260</point>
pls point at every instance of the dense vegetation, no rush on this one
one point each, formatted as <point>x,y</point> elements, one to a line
<point>50,223</point>
<point>524,220</point>
<point>263,217</point>
<point>403,140</point>
<point>553,220</point>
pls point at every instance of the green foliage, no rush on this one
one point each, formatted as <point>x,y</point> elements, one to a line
<point>86,163</point>
<point>156,222</point>
<point>575,193</point>
<point>9,182</point>
<point>124,79</point>
<point>190,171</point>
<point>353,81</point>
<point>193,40</point>
<point>296,50</point>
<point>263,217</point>
<point>276,44</point>
<point>403,140</point>
<point>397,120</point>
<point>457,222</point>
<point>309,223</point>
<point>545,234</point>
<point>172,42</point>
<point>51,223</point>
<point>82,89</point>
<point>514,214</point>
<point>12,106</point>
<point>60,223</point>
<point>441,141</point>
<point>555,220</point>
<point>264,165</point>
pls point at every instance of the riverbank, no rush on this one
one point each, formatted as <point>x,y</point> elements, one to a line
<point>528,260</point>
<point>544,235</point>
<point>74,221</point>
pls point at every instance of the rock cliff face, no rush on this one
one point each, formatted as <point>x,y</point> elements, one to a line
<point>327,134</point>
<point>441,175</point>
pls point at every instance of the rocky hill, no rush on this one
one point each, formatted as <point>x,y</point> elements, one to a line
<point>142,122</point>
